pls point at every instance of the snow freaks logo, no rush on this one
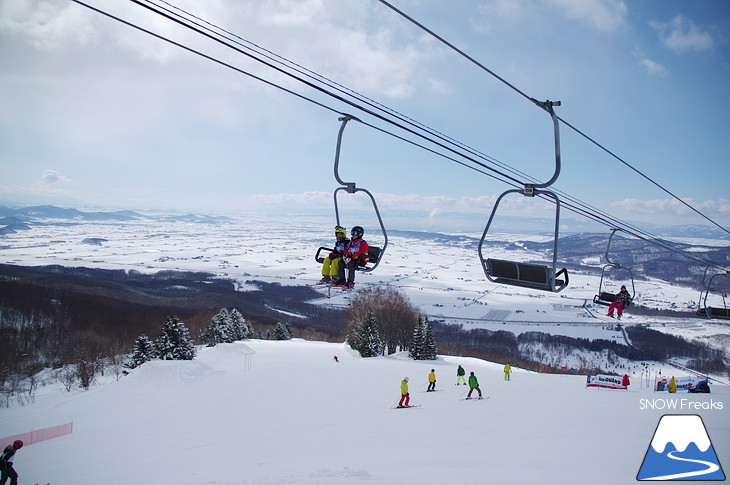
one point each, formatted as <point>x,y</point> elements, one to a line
<point>681,450</point>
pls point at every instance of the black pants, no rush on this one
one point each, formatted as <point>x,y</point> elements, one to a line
<point>431,386</point>
<point>7,471</point>
<point>351,266</point>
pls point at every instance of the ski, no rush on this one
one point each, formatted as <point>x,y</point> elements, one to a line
<point>409,406</point>
<point>435,390</point>
<point>474,398</point>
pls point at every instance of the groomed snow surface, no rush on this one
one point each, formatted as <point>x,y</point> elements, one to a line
<point>284,412</point>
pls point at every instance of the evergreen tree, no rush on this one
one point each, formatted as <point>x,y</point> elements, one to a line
<point>428,350</point>
<point>174,343</point>
<point>240,328</point>
<point>227,326</point>
<point>143,351</point>
<point>282,331</point>
<point>416,350</point>
<point>370,343</point>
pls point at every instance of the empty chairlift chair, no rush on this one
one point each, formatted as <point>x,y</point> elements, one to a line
<point>530,275</point>
<point>704,310</point>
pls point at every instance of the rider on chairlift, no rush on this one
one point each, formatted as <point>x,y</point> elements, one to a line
<point>331,264</point>
<point>355,254</point>
<point>623,299</point>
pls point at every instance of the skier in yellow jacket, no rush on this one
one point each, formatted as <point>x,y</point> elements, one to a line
<point>431,381</point>
<point>405,398</point>
<point>507,371</point>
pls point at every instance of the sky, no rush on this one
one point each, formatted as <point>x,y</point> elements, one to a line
<point>98,114</point>
<point>267,412</point>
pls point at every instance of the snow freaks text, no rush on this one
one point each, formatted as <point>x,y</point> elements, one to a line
<point>664,404</point>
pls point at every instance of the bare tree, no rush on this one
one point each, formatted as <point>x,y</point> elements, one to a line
<point>395,315</point>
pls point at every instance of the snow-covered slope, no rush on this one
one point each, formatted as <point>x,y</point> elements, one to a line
<point>263,412</point>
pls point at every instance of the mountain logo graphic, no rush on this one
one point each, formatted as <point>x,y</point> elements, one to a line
<point>681,450</point>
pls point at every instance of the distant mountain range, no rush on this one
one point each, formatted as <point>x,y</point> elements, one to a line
<point>24,216</point>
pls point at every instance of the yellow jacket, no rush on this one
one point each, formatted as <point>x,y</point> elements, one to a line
<point>404,387</point>
<point>431,377</point>
<point>507,369</point>
<point>672,385</point>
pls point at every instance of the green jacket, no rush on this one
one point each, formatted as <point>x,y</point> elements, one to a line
<point>404,387</point>
<point>473,382</point>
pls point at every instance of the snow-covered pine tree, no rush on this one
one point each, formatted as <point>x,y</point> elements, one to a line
<point>282,331</point>
<point>227,326</point>
<point>218,330</point>
<point>142,351</point>
<point>416,350</point>
<point>240,328</point>
<point>174,343</point>
<point>428,350</point>
<point>370,343</point>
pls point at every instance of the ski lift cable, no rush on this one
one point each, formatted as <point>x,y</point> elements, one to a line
<point>569,125</point>
<point>213,28</point>
<point>272,84</point>
<point>314,86</point>
<point>283,60</point>
<point>289,91</point>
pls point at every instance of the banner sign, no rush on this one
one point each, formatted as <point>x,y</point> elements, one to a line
<point>610,382</point>
<point>684,383</point>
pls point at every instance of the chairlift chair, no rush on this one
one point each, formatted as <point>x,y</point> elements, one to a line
<point>375,253</point>
<point>530,275</point>
<point>703,309</point>
<point>605,297</point>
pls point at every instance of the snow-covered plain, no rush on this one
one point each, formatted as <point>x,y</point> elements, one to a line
<point>284,412</point>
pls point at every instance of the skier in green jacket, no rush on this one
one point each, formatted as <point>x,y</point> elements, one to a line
<point>473,384</point>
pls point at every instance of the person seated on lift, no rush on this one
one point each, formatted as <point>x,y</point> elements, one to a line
<point>623,298</point>
<point>355,254</point>
<point>331,264</point>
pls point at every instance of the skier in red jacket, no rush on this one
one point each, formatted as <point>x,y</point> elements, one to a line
<point>355,254</point>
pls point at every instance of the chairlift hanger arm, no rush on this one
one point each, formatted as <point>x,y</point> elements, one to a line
<point>351,188</point>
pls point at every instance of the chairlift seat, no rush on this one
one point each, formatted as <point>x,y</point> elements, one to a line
<point>374,253</point>
<point>527,275</point>
<point>716,312</point>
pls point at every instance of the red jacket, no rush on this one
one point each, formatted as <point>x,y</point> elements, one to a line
<point>357,248</point>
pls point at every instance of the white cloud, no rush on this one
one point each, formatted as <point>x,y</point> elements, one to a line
<point>51,177</point>
<point>604,15</point>
<point>653,68</point>
<point>682,34</point>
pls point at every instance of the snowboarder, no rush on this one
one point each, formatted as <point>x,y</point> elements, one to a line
<point>623,299</point>
<point>6,463</point>
<point>336,359</point>
<point>473,384</point>
<point>331,264</point>
<point>460,373</point>
<point>405,398</point>
<point>355,254</point>
<point>431,381</point>
<point>507,371</point>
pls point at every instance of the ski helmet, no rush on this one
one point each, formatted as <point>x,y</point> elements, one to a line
<point>17,444</point>
<point>357,231</point>
<point>340,230</point>
<point>405,379</point>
